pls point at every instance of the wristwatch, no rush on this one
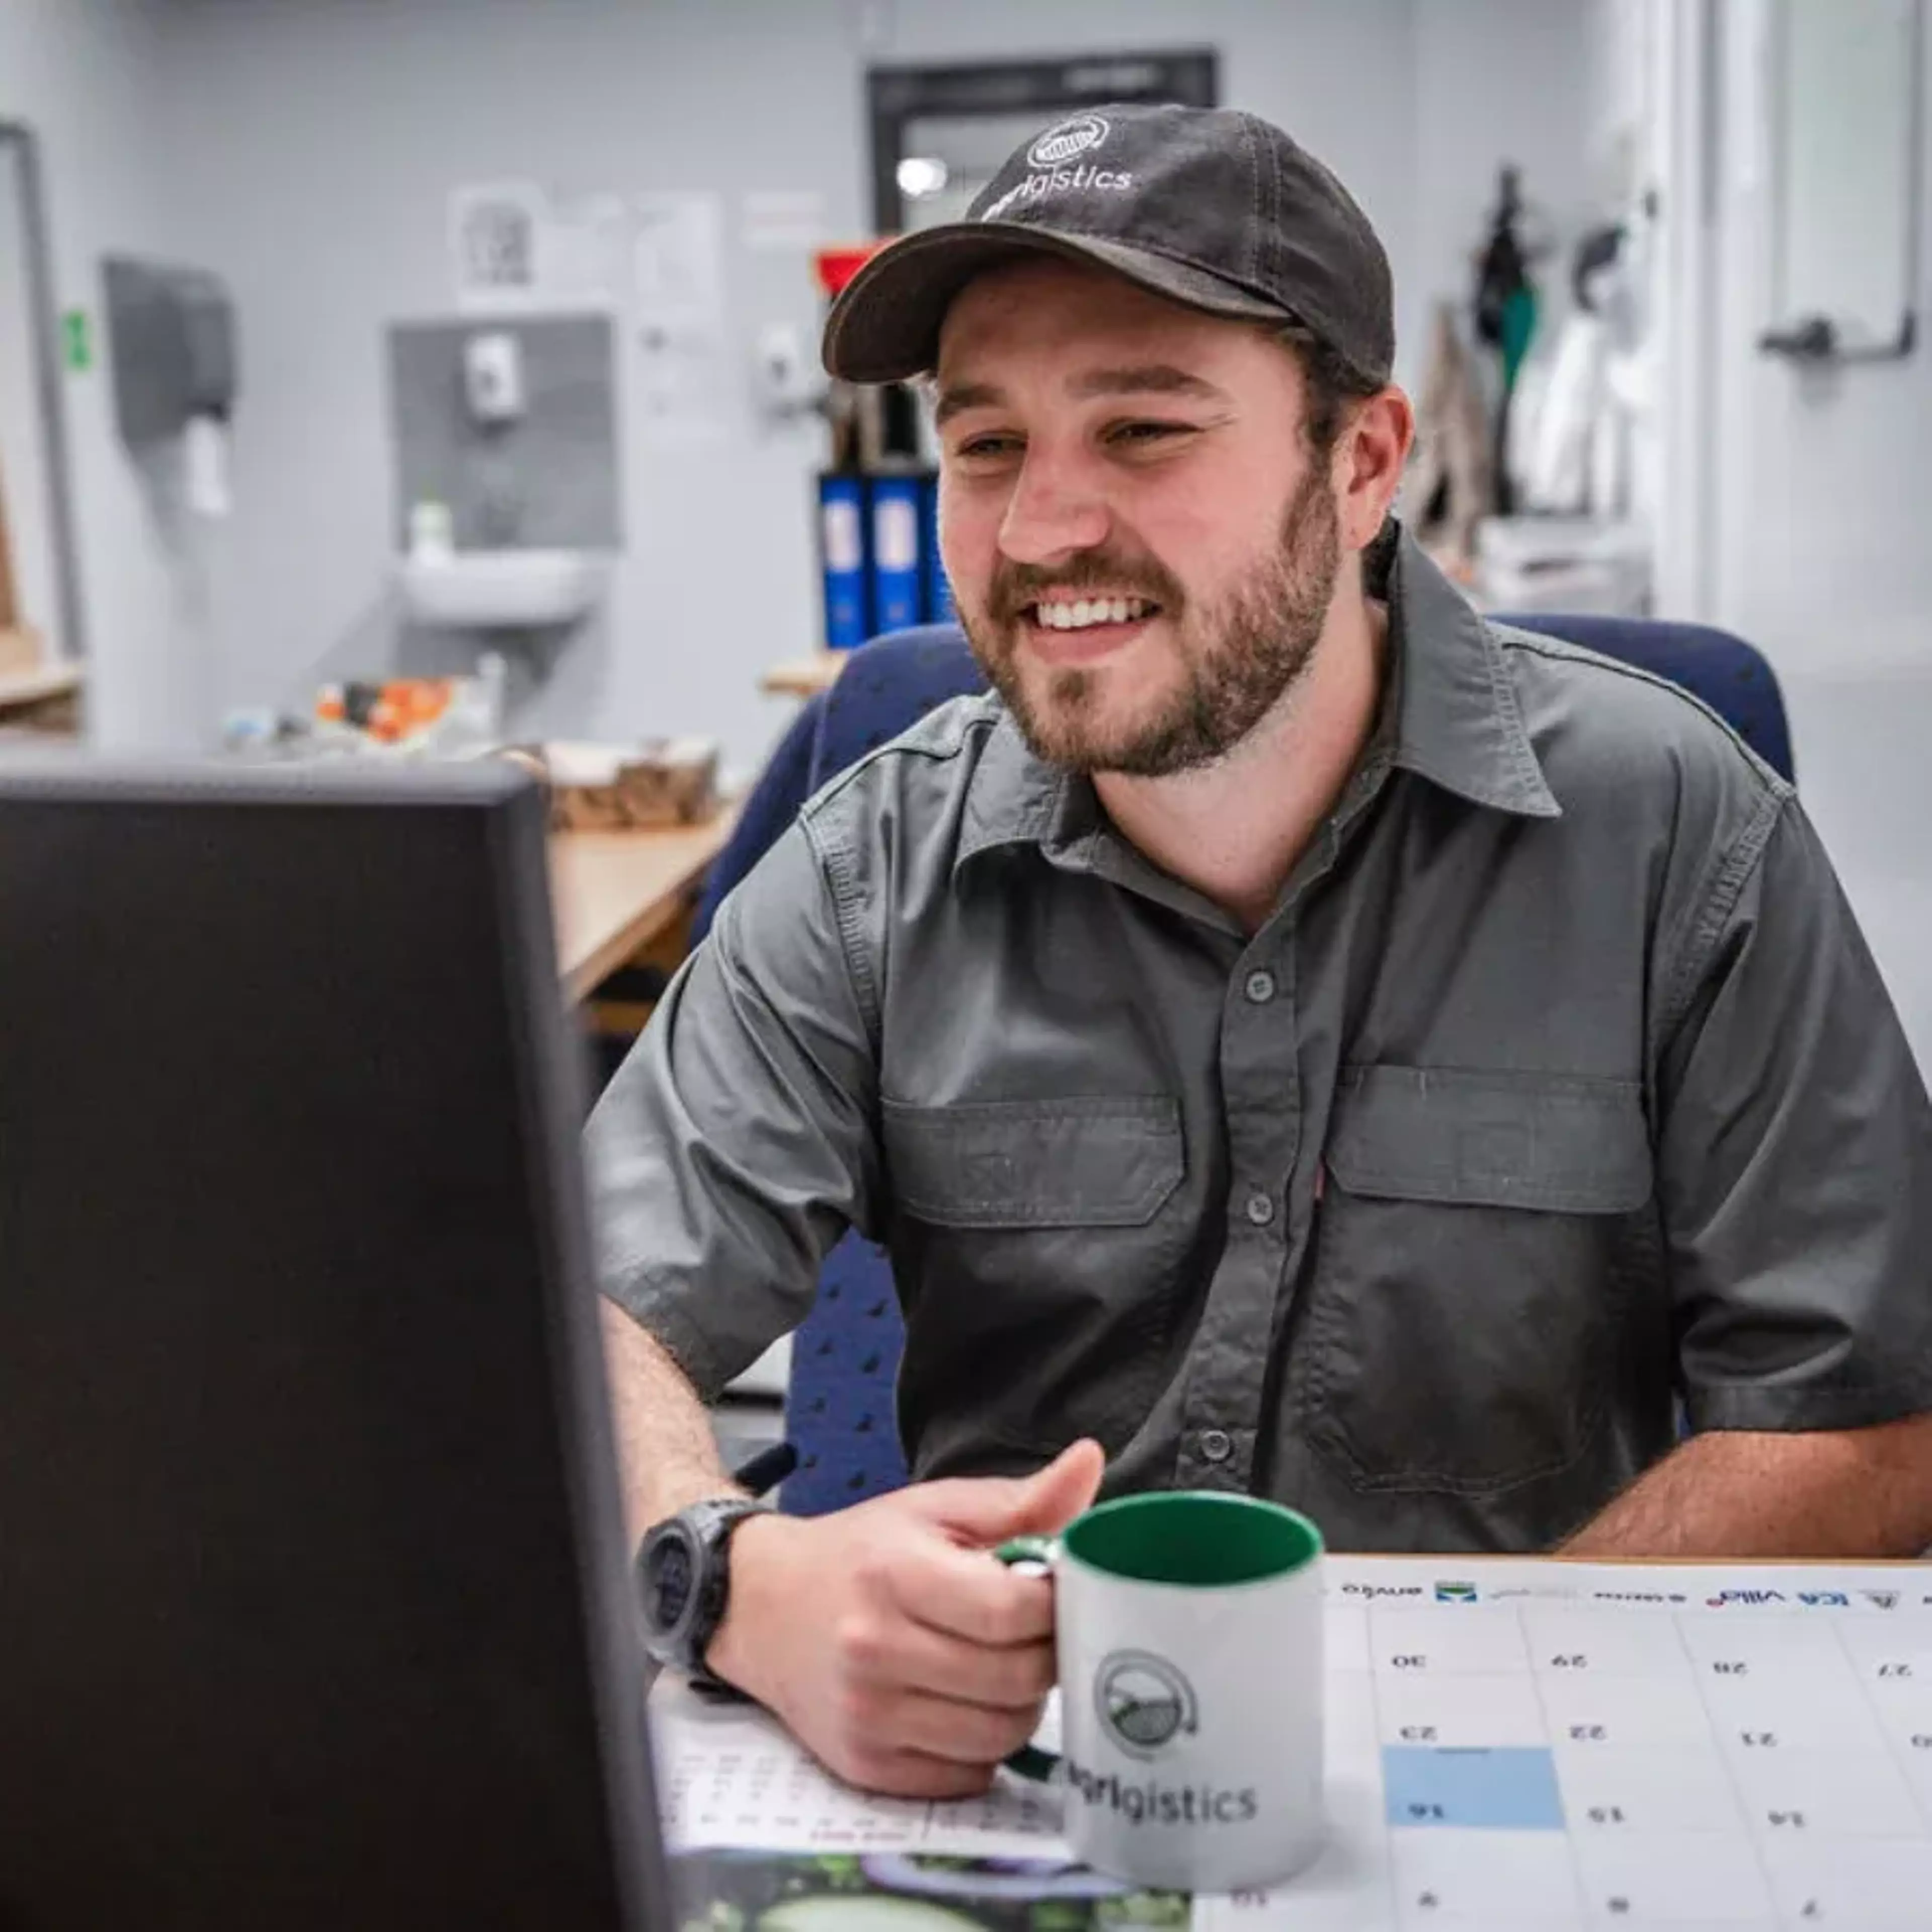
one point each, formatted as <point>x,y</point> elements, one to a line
<point>684,1576</point>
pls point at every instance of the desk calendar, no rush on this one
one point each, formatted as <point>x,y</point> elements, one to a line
<point>1509,1743</point>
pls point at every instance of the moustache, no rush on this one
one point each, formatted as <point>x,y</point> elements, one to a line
<point>1017,586</point>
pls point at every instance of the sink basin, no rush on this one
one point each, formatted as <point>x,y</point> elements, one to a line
<point>511,589</point>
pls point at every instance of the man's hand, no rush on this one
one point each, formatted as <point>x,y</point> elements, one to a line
<point>895,1649</point>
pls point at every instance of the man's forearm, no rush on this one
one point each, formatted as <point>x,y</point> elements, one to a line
<point>665,1449</point>
<point>1845,1494</point>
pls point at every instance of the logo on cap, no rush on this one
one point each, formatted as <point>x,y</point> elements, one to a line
<point>1143,1702</point>
<point>1067,141</point>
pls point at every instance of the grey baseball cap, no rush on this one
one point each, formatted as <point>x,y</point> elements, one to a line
<point>1208,206</point>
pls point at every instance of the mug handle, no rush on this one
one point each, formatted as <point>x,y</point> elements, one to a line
<point>1029,1761</point>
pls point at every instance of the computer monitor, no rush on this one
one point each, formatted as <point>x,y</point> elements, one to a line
<point>313,1599</point>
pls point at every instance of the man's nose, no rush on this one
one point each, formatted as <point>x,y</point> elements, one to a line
<point>1055,510</point>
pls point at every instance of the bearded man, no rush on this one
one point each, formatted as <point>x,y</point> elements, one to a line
<point>1293,1036</point>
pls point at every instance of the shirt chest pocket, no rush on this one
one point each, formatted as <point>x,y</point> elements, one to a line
<point>1037,1245</point>
<point>1462,1327</point>
<point>1072,1163</point>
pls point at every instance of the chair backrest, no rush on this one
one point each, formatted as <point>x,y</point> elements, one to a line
<point>773,803</point>
<point>1728,675</point>
<point>841,1408</point>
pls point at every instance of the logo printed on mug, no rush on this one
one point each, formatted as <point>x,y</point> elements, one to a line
<point>1143,1702</point>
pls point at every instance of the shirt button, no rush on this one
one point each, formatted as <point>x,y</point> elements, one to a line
<point>1217,1446</point>
<point>1260,1210</point>
<point>1260,988</point>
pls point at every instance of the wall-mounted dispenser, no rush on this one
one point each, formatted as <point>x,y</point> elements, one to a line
<point>493,376</point>
<point>172,335</point>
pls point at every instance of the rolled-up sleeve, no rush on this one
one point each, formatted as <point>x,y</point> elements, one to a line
<point>1795,1159</point>
<point>738,1140</point>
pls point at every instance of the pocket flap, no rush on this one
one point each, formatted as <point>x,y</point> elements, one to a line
<point>1564,1144</point>
<point>1073,1163</point>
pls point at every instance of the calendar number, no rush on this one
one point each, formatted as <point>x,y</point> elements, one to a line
<point>1427,1814</point>
<point>1607,1814</point>
<point>1921,1741</point>
<point>1785,1821</point>
<point>1731,1668</point>
<point>1418,1734</point>
<point>1894,1670</point>
<point>1588,1734</point>
<point>1758,1740</point>
<point>1572,1660</point>
<point>1412,1662</point>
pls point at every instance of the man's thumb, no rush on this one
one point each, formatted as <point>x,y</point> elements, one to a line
<point>989,1512</point>
<point>1054,1495</point>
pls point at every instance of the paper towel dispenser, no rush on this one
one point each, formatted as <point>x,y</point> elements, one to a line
<point>172,332</point>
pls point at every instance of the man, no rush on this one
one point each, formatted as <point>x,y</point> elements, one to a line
<point>1293,1037</point>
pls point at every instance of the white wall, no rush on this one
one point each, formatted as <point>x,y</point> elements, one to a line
<point>313,142</point>
<point>1791,501</point>
<point>1823,556</point>
<point>1823,493</point>
<point>1496,81</point>
<point>83,76</point>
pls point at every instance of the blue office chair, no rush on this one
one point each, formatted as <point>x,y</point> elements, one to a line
<point>841,1411</point>
<point>783,786</point>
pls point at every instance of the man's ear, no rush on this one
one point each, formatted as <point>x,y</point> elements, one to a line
<point>1370,454</point>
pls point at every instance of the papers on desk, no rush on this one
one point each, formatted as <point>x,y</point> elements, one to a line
<point>1552,1745</point>
<point>728,1776</point>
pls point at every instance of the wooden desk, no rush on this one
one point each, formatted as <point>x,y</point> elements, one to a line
<point>804,677</point>
<point>613,892</point>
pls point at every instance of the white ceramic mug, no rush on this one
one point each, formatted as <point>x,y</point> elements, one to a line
<point>1189,1634</point>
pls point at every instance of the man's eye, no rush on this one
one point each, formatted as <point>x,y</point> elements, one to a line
<point>1146,432</point>
<point>989,445</point>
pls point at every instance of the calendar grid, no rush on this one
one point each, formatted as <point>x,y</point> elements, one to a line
<point>1723,1750</point>
<point>1907,1776</point>
<point>1551,1731</point>
<point>1391,1877</point>
<point>1515,1745</point>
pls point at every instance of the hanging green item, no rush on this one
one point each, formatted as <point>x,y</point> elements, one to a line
<point>77,341</point>
<point>1518,329</point>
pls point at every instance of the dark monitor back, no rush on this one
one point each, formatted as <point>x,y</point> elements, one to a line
<point>312,1608</point>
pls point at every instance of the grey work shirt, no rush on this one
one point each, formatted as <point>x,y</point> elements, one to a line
<point>1560,1083</point>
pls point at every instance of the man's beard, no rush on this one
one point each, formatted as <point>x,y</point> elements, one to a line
<point>1238,659</point>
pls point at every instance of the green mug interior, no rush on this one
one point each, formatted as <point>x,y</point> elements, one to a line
<point>1194,1538</point>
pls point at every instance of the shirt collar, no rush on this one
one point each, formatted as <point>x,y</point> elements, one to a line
<point>1454,713</point>
<point>1458,724</point>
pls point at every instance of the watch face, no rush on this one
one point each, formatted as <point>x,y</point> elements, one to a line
<point>668,1582</point>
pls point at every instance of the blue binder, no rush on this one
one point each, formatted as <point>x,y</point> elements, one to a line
<point>940,608</point>
<point>842,557</point>
<point>898,588</point>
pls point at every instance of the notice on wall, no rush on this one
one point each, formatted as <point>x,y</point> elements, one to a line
<point>494,241</point>
<point>678,321</point>
<point>677,252</point>
<point>582,253</point>
<point>515,249</point>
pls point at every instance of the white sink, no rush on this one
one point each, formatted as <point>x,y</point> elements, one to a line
<point>487,589</point>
